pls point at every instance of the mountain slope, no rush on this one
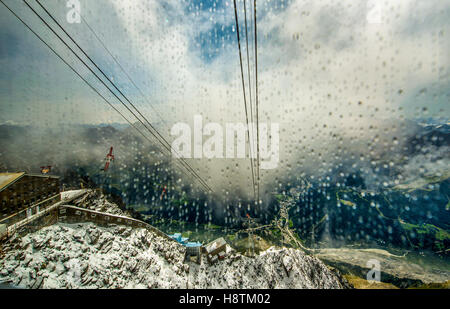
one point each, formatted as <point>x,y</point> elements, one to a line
<point>85,255</point>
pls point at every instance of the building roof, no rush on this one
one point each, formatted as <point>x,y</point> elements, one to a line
<point>8,178</point>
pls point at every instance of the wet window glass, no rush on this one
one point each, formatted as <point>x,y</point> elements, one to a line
<point>228,128</point>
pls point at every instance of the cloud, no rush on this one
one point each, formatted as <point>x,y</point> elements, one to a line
<point>333,82</point>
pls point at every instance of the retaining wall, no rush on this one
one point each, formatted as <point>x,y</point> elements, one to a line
<point>61,212</point>
<point>73,214</point>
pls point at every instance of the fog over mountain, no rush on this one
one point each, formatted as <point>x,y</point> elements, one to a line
<point>348,178</point>
<point>384,155</point>
<point>339,85</point>
<point>348,84</point>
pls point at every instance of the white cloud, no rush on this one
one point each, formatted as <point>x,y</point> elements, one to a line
<point>323,71</point>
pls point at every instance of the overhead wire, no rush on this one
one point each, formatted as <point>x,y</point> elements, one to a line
<point>244,92</point>
<point>256,101</point>
<point>73,69</point>
<point>155,134</point>
<point>121,67</point>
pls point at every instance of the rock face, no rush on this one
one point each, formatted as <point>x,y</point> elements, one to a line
<point>403,271</point>
<point>85,255</point>
<point>88,256</point>
<point>94,200</point>
<point>273,269</point>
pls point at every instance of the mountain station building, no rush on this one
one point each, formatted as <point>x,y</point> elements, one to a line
<point>20,191</point>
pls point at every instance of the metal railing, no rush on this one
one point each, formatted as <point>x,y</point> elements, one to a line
<point>32,213</point>
<point>31,210</point>
<point>71,214</point>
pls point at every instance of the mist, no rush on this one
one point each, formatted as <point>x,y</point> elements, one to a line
<point>345,92</point>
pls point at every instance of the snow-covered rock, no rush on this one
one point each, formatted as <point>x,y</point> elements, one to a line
<point>85,255</point>
<point>284,268</point>
<point>95,200</point>
<point>89,256</point>
<point>70,194</point>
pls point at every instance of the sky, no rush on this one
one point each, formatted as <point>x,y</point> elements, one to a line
<point>186,51</point>
<point>324,67</point>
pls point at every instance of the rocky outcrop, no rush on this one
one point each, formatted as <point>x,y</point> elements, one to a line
<point>403,271</point>
<point>97,201</point>
<point>88,256</point>
<point>84,255</point>
<point>273,269</point>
